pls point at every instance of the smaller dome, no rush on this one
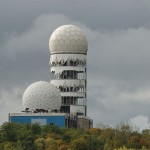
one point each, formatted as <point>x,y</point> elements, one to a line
<point>41,95</point>
<point>68,39</point>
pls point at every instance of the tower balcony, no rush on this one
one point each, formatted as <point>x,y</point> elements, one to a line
<point>68,83</point>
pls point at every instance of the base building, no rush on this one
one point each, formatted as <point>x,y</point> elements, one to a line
<point>58,119</point>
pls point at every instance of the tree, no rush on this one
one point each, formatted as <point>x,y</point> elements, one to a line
<point>50,144</point>
<point>8,132</point>
<point>36,129</point>
<point>79,144</point>
<point>40,143</point>
<point>62,145</point>
<point>122,134</point>
<point>50,128</point>
<point>145,139</point>
<point>9,146</point>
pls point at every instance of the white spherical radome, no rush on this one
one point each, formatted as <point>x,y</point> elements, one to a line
<point>68,39</point>
<point>41,95</point>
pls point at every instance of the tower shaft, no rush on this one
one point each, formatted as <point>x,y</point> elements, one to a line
<point>70,77</point>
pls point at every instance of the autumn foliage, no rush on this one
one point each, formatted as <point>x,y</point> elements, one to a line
<point>34,137</point>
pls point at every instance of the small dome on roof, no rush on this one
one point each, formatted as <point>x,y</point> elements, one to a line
<point>68,39</point>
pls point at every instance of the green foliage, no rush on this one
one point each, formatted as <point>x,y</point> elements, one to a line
<point>34,137</point>
<point>40,143</point>
<point>8,132</point>
<point>50,128</point>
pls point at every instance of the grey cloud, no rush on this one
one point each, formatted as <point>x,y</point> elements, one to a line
<point>10,101</point>
<point>104,15</point>
<point>118,56</point>
<point>25,56</point>
<point>141,121</point>
<point>122,55</point>
<point>114,107</point>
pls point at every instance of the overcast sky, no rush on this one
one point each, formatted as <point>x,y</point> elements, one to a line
<point>118,33</point>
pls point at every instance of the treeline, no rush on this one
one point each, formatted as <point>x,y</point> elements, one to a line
<point>34,137</point>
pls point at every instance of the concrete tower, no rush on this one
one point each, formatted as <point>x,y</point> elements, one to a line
<point>68,46</point>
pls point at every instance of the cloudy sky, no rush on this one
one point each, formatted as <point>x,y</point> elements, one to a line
<point>118,33</point>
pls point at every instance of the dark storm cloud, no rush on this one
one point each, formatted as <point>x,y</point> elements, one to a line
<point>118,33</point>
<point>17,15</point>
<point>26,55</point>
<point>124,55</point>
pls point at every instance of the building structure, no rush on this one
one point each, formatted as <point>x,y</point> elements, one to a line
<point>68,46</point>
<point>63,100</point>
<point>58,119</point>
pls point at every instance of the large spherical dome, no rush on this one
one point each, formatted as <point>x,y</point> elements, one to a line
<point>41,95</point>
<point>68,39</point>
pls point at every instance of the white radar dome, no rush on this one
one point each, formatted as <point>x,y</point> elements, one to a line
<point>68,39</point>
<point>41,95</point>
